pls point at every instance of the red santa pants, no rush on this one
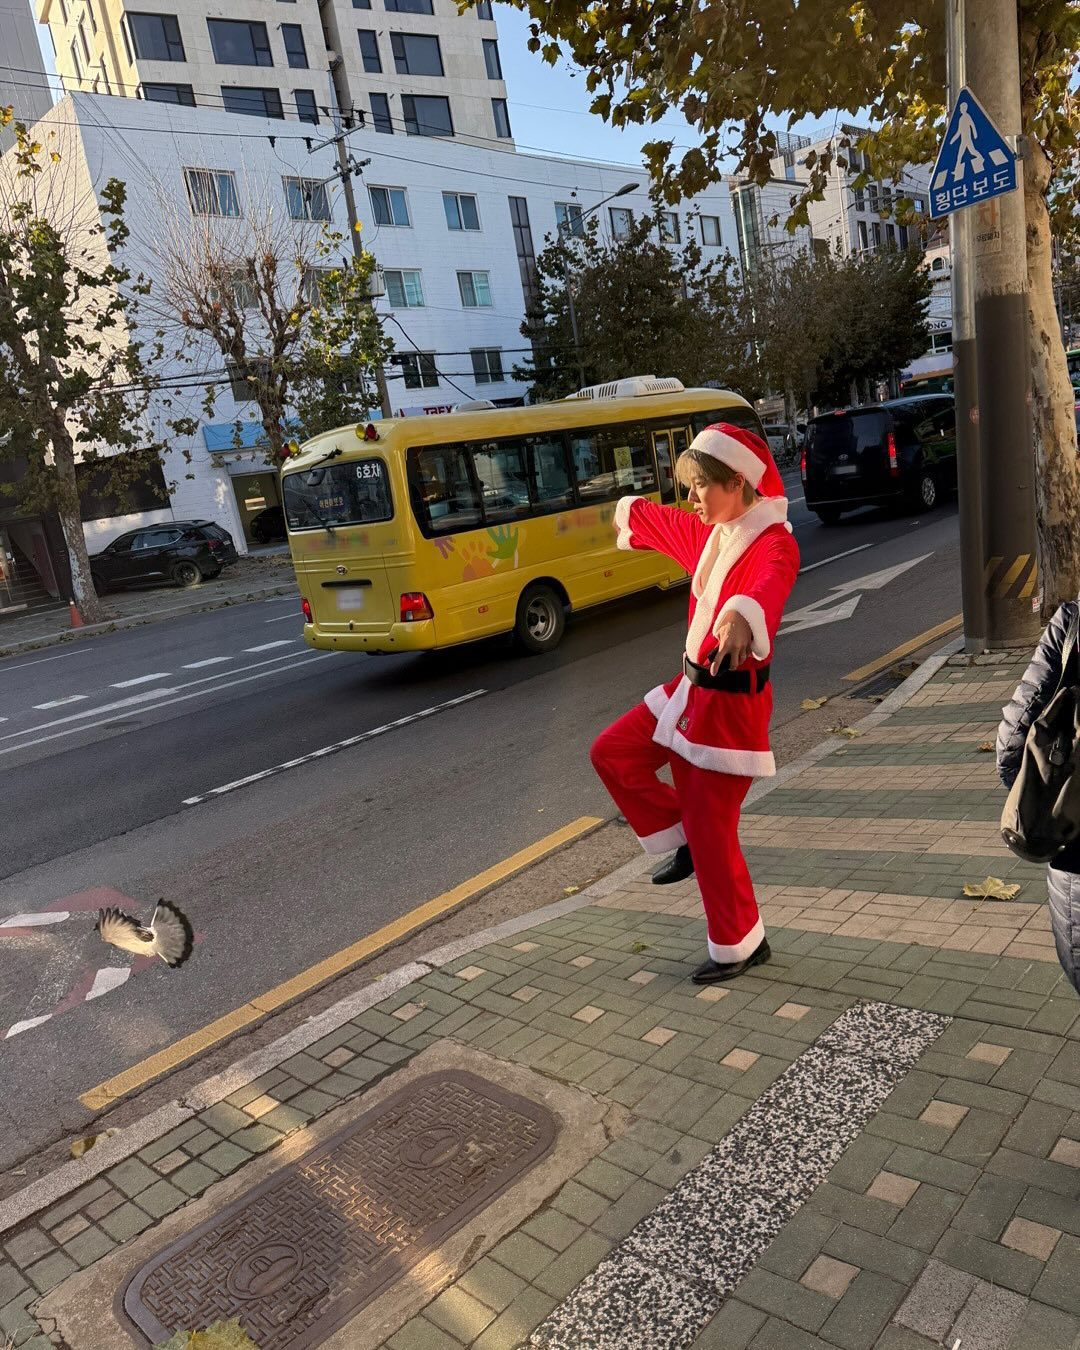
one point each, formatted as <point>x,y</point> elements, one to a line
<point>701,810</point>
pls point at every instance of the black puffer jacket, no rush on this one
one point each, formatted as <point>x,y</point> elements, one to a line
<point>1032,695</point>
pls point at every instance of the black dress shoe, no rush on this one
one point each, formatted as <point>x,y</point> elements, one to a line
<point>715,972</point>
<point>677,868</point>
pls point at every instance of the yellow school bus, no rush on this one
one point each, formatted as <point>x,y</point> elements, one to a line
<point>426,532</point>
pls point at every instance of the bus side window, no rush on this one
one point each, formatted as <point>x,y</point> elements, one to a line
<point>504,481</point>
<point>612,461</point>
<point>553,490</point>
<point>444,495</point>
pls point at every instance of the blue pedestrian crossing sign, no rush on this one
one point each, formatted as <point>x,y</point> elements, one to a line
<point>974,162</point>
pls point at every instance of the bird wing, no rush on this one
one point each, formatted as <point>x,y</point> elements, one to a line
<point>173,938</point>
<point>121,930</point>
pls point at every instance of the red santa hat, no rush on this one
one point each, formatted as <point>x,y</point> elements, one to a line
<point>744,452</point>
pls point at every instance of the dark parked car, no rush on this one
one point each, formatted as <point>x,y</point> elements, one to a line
<point>268,525</point>
<point>184,552</point>
<point>902,451</point>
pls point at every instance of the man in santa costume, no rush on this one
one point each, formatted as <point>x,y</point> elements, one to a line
<point>710,724</point>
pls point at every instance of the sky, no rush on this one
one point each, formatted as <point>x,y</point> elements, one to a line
<point>549,105</point>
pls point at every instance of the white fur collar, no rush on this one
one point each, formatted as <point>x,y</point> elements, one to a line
<point>724,547</point>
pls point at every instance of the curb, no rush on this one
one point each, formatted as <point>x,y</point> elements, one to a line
<point>138,620</point>
<point>50,1189</point>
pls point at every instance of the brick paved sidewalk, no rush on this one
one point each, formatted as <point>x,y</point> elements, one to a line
<point>253,577</point>
<point>873,1141</point>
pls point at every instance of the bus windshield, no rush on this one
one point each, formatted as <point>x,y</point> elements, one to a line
<point>354,493</point>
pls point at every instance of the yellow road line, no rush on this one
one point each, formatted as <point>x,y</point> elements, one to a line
<point>105,1094</point>
<point>905,649</point>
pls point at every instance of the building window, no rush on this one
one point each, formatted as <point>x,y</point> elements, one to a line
<point>710,231</point>
<point>307,110</point>
<point>877,234</point>
<point>240,42</point>
<point>418,369</point>
<point>416,54</point>
<point>483,9</point>
<point>860,199</point>
<point>380,114</point>
<point>501,114</point>
<point>902,233</point>
<point>622,221</point>
<point>167,93</point>
<point>389,206</point>
<point>409,7</point>
<point>569,220</point>
<point>212,192</point>
<point>872,193</point>
<point>295,50</point>
<point>361,4</point>
<point>404,290</point>
<point>369,51</point>
<point>252,102</point>
<point>864,237</point>
<point>427,115</point>
<point>475,290</point>
<point>461,212</point>
<point>670,229</point>
<point>487,365</point>
<point>156,37</point>
<point>492,64</point>
<point>307,199</point>
<point>523,244</point>
<point>890,233</point>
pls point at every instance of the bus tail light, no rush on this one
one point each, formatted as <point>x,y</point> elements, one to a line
<point>415,607</point>
<point>894,466</point>
<point>305,605</point>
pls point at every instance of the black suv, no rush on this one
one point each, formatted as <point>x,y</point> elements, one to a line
<point>184,552</point>
<point>901,451</point>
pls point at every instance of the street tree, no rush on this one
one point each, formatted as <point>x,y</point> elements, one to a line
<point>76,376</point>
<point>642,305</point>
<point>731,68</point>
<point>288,306</point>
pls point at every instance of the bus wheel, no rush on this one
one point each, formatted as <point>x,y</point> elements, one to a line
<point>541,619</point>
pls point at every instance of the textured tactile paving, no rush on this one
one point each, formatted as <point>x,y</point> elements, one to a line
<point>300,1254</point>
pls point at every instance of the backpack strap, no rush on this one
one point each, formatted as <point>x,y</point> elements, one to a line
<point>1068,649</point>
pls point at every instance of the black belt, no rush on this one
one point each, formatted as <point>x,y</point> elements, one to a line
<point>729,681</point>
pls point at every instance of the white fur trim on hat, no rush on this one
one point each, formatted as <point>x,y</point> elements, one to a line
<point>731,452</point>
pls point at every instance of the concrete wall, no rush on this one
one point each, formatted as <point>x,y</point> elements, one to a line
<point>23,81</point>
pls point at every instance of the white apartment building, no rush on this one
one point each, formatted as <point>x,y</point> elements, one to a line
<point>455,229</point>
<point>404,67</point>
<point>24,84</point>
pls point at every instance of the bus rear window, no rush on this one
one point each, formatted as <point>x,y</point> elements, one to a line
<point>353,493</point>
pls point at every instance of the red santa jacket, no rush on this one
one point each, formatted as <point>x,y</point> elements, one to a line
<point>748,567</point>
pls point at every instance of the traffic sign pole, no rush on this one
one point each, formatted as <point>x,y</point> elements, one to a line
<point>965,376</point>
<point>1009,575</point>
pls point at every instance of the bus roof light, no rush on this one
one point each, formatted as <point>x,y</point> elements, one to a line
<point>370,432</point>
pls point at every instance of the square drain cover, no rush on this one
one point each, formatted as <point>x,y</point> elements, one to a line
<point>298,1256</point>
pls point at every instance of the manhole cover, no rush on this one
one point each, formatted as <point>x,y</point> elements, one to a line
<point>299,1255</point>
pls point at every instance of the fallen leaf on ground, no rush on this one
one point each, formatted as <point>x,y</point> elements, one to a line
<point>986,748</point>
<point>81,1146</point>
<point>841,730</point>
<point>570,890</point>
<point>993,888</point>
<point>809,704</point>
<point>640,947</point>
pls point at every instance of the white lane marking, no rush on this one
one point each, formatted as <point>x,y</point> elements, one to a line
<point>90,712</point>
<point>269,646</point>
<point>210,661</point>
<point>335,747</point>
<point>36,920</point>
<point>299,659</point>
<point>107,979</point>
<point>835,558</point>
<point>25,1026</point>
<point>61,702</point>
<point>280,618</point>
<point>795,501</point>
<point>5,670</point>
<point>140,679</point>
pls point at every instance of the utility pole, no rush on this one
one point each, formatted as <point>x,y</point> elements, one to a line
<point>1009,574</point>
<point>965,377</point>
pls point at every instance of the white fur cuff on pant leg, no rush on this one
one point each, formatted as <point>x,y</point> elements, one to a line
<point>663,841</point>
<point>738,951</point>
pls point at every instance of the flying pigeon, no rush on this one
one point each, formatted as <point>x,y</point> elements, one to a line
<point>168,936</point>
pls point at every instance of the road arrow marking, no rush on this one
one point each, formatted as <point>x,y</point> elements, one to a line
<point>833,607</point>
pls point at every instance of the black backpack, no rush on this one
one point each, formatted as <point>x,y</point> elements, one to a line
<point>1042,812</point>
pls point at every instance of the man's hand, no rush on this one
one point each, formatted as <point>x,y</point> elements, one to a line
<point>736,639</point>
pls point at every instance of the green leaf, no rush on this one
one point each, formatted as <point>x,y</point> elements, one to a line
<point>220,1336</point>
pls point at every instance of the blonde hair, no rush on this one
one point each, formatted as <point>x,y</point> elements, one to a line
<point>697,463</point>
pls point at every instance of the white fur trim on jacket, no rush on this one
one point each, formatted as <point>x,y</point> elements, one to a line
<point>724,547</point>
<point>738,951</point>
<point>731,452</point>
<point>656,700</point>
<point>663,841</point>
<point>716,758</point>
<point>622,522</point>
<point>754,615</point>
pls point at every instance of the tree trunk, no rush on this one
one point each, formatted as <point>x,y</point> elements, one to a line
<point>1057,476</point>
<point>67,508</point>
